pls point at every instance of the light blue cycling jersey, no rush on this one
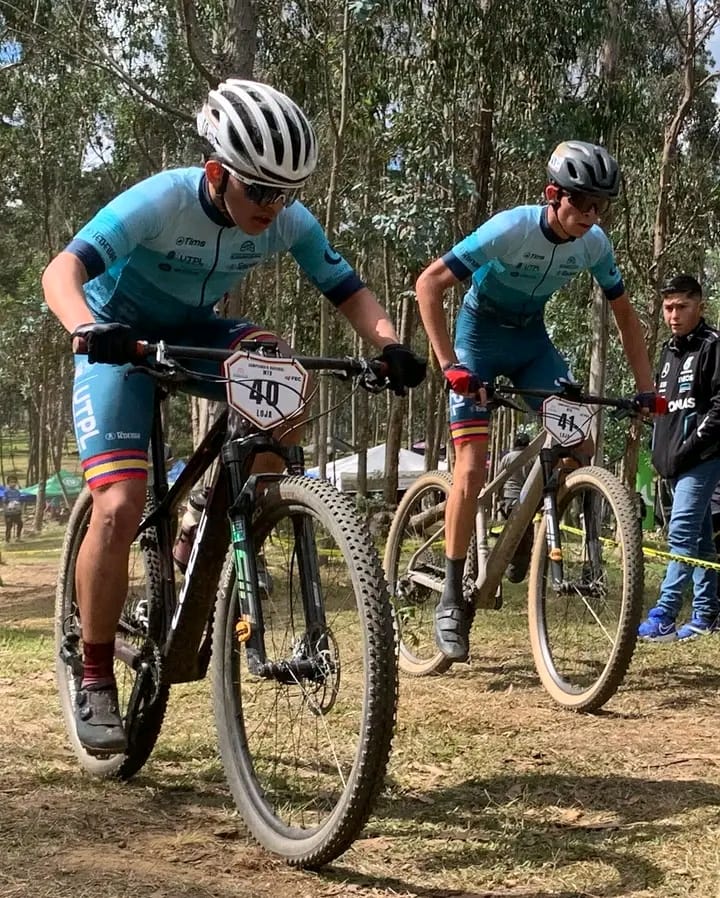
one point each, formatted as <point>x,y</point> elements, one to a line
<point>160,254</point>
<point>517,262</point>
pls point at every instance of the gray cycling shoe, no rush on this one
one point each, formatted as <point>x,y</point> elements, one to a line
<point>98,722</point>
<point>451,630</point>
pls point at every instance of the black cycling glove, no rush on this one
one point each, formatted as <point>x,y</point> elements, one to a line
<point>112,343</point>
<point>405,369</point>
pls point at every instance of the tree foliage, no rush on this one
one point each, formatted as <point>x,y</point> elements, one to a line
<point>432,115</point>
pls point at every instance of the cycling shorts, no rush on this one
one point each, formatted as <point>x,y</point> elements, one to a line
<point>113,409</point>
<point>525,355</point>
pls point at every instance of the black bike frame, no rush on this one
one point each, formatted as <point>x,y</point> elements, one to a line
<point>188,614</point>
<point>228,512</point>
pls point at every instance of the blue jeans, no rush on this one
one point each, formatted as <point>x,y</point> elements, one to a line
<point>691,534</point>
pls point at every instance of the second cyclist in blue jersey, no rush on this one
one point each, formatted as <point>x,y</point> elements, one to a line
<point>153,264</point>
<point>515,262</point>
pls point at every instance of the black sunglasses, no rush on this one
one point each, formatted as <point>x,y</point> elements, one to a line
<point>264,194</point>
<point>586,202</point>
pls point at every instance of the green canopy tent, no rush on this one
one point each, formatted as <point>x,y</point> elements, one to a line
<point>72,483</point>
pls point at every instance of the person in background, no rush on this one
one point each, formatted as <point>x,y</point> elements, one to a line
<point>512,488</point>
<point>686,451</point>
<point>12,505</point>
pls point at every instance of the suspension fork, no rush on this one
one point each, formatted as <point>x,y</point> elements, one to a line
<point>237,456</point>
<point>309,570</point>
<point>549,458</point>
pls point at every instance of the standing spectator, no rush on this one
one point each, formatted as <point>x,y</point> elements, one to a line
<point>715,510</point>
<point>12,504</point>
<point>686,450</point>
<point>512,488</point>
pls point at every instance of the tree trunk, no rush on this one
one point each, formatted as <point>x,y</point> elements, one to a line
<point>337,127</point>
<point>397,404</point>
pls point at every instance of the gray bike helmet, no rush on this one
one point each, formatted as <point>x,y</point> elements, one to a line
<point>584,168</point>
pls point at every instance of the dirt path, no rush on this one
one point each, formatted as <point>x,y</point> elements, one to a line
<point>492,790</point>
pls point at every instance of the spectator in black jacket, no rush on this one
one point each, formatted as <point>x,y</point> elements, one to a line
<point>686,450</point>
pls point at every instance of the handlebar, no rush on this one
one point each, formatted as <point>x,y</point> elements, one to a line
<point>570,392</point>
<point>163,355</point>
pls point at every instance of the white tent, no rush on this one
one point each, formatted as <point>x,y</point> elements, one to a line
<point>343,472</point>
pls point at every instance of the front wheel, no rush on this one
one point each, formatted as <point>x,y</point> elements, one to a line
<point>305,748</point>
<point>137,666</point>
<point>583,630</point>
<point>415,571</point>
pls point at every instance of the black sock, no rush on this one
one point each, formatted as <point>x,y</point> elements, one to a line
<point>453,590</point>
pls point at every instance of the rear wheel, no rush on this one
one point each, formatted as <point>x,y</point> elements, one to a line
<point>415,571</point>
<point>583,631</point>
<point>305,753</point>
<point>141,697</point>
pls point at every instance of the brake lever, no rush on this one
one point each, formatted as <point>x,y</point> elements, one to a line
<point>495,400</point>
<point>619,414</point>
<point>571,390</point>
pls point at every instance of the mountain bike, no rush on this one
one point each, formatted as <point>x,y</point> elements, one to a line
<point>585,590</point>
<point>283,589</point>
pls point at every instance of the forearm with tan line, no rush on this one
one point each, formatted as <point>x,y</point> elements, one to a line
<point>62,284</point>
<point>430,291</point>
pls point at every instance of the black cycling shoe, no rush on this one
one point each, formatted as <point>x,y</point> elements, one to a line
<point>517,570</point>
<point>452,630</point>
<point>98,722</point>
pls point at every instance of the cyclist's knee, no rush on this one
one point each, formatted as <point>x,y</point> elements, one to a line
<point>118,508</point>
<point>469,470</point>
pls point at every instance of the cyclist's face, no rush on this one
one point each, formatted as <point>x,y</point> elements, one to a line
<point>682,313</point>
<point>249,216</point>
<point>573,221</point>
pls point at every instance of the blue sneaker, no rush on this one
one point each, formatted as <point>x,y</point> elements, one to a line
<point>697,626</point>
<point>659,627</point>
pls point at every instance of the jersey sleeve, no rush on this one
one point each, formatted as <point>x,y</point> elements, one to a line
<point>130,219</point>
<point>605,269</point>
<point>490,241</point>
<point>322,263</point>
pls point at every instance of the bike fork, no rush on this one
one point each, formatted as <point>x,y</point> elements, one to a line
<point>552,524</point>
<point>309,570</point>
<point>249,628</point>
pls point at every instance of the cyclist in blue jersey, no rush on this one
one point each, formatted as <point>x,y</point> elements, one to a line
<point>515,262</point>
<point>153,264</point>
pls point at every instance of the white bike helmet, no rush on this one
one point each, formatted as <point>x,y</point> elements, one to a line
<point>584,167</point>
<point>260,133</point>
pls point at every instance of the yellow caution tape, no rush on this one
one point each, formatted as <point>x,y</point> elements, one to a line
<point>650,552</point>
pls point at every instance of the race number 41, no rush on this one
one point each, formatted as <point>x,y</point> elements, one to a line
<point>567,422</point>
<point>264,390</point>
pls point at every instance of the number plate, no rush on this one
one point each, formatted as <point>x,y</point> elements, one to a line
<point>567,422</point>
<point>265,390</point>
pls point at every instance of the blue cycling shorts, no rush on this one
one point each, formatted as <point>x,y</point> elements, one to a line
<point>112,409</point>
<point>525,355</point>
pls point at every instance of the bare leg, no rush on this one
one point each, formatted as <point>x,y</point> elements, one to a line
<point>451,619</point>
<point>468,480</point>
<point>102,566</point>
